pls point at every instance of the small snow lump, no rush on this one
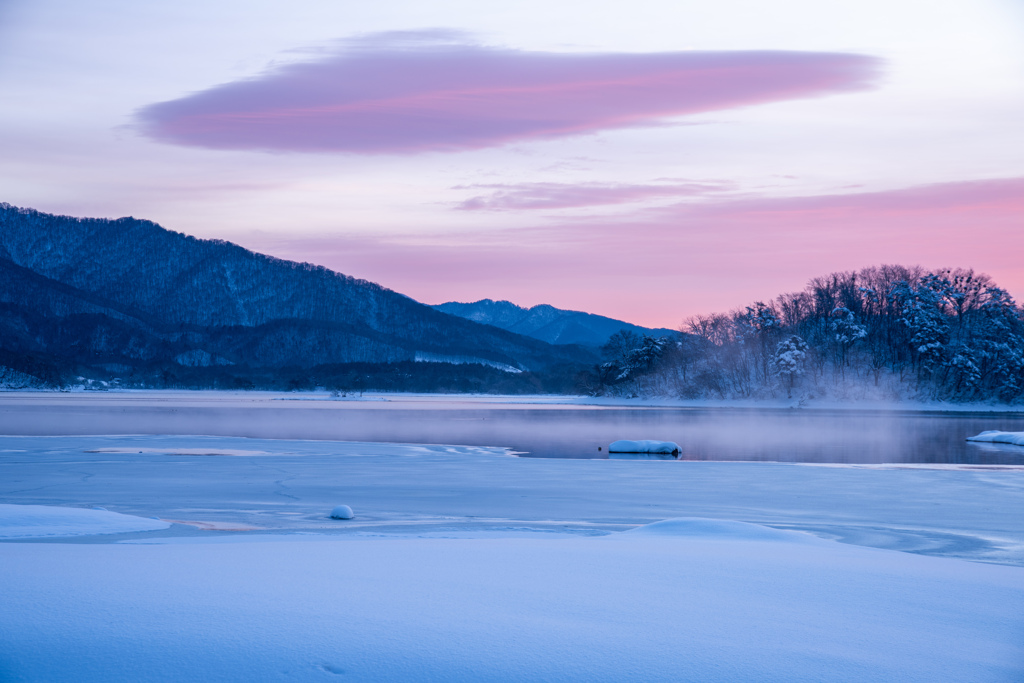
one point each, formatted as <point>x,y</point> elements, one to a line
<point>342,512</point>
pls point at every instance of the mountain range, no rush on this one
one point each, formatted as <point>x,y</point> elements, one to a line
<point>127,297</point>
<point>547,323</point>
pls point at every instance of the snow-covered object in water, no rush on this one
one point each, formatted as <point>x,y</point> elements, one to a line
<point>342,512</point>
<point>642,456</point>
<point>667,447</point>
<point>994,436</point>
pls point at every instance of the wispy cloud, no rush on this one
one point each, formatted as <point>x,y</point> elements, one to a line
<point>696,256</point>
<point>527,196</point>
<point>434,91</point>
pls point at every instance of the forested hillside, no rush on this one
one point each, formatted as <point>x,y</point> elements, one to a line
<point>887,332</point>
<point>130,297</point>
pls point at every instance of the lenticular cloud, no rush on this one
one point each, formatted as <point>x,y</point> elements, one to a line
<point>402,98</point>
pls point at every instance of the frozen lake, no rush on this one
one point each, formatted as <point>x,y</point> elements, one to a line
<point>177,557</point>
<point>542,427</point>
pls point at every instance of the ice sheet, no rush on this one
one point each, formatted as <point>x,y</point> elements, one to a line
<point>972,513</point>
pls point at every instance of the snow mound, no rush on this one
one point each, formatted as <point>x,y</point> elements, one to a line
<point>42,521</point>
<point>342,512</point>
<point>993,436</point>
<point>668,447</point>
<point>717,530</point>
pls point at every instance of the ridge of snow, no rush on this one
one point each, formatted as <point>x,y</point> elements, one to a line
<point>44,521</point>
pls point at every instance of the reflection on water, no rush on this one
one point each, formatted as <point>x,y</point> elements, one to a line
<point>546,431</point>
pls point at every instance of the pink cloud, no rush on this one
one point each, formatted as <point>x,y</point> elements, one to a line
<point>660,266</point>
<point>566,195</point>
<point>402,96</point>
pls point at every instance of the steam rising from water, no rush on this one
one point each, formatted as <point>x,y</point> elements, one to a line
<point>829,436</point>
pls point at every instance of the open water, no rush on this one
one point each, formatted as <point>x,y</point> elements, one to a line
<point>542,430</point>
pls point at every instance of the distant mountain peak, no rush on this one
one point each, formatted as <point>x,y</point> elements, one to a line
<point>545,322</point>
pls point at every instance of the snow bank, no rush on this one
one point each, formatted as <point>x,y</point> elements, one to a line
<point>1014,438</point>
<point>42,521</point>
<point>717,529</point>
<point>667,447</point>
<point>628,607</point>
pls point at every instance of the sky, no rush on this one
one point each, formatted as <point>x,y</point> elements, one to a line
<point>648,161</point>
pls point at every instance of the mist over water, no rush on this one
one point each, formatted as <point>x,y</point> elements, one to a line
<point>547,431</point>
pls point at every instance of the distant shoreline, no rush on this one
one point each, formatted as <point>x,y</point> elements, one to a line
<point>13,396</point>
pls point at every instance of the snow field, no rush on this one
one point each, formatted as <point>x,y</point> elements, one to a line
<point>679,600</point>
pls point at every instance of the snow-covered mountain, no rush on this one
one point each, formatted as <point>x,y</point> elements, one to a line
<point>130,295</point>
<point>547,323</point>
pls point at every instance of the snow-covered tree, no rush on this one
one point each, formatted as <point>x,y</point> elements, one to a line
<point>788,361</point>
<point>923,316</point>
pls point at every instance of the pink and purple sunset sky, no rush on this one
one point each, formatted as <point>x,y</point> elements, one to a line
<point>647,160</point>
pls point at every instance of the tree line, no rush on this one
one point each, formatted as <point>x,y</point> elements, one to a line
<point>886,332</point>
